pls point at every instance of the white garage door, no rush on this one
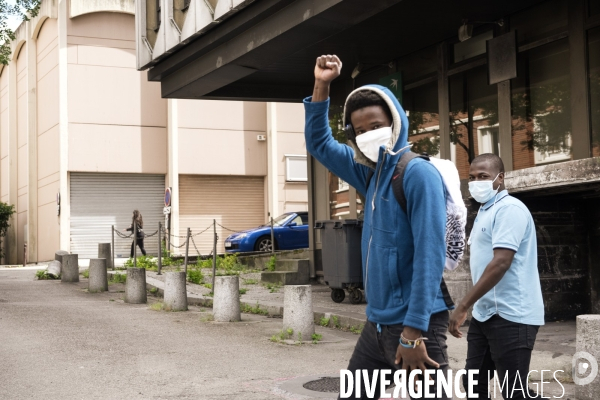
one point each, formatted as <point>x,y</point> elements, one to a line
<point>236,202</point>
<point>99,201</point>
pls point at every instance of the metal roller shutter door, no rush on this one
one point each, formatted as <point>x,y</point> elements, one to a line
<point>236,202</point>
<point>101,200</point>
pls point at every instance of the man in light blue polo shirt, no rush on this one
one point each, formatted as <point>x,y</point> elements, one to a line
<point>507,297</point>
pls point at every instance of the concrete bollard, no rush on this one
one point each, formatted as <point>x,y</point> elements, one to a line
<point>98,280</point>
<point>175,291</point>
<point>69,268</point>
<point>59,255</point>
<point>585,361</point>
<point>54,268</point>
<point>226,300</point>
<point>104,251</point>
<point>135,287</point>
<point>298,311</point>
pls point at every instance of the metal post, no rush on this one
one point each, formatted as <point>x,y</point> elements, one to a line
<point>169,237</point>
<point>112,248</point>
<point>214,254</point>
<point>272,238</point>
<point>159,248</point>
<point>134,244</point>
<point>187,247</point>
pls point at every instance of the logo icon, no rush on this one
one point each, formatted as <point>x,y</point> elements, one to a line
<point>583,363</point>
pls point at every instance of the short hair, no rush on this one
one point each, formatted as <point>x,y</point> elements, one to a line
<point>362,99</point>
<point>493,159</point>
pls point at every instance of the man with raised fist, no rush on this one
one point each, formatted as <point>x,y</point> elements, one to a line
<point>403,252</point>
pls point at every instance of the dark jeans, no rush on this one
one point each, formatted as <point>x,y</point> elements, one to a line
<point>377,350</point>
<point>140,243</point>
<point>504,346</point>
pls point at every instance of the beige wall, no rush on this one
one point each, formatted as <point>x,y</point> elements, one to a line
<point>22,166</point>
<point>48,140</point>
<point>117,119</point>
<point>117,123</point>
<point>219,138</point>
<point>293,196</point>
<point>4,135</point>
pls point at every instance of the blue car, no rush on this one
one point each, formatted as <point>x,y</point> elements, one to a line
<point>290,231</point>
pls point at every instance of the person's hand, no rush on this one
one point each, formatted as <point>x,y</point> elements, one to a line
<point>457,318</point>
<point>327,68</point>
<point>414,358</point>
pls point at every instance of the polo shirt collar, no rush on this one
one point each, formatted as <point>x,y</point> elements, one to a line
<point>495,199</point>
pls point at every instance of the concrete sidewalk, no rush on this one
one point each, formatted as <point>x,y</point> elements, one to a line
<point>554,348</point>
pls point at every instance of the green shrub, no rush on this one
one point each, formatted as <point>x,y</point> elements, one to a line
<point>194,275</point>
<point>43,275</point>
<point>117,278</point>
<point>271,263</point>
<point>226,265</point>
<point>148,262</point>
<point>86,273</point>
<point>6,212</point>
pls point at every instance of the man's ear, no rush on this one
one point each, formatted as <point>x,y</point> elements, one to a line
<point>500,178</point>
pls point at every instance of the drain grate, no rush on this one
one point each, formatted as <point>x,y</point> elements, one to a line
<point>325,385</point>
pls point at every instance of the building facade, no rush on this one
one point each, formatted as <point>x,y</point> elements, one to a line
<point>86,139</point>
<point>521,81</point>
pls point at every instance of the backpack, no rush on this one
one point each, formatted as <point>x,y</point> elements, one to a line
<point>456,212</point>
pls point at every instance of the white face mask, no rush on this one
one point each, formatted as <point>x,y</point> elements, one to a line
<point>483,191</point>
<point>370,142</point>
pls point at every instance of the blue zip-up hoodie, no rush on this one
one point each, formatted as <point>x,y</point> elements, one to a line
<point>403,254</point>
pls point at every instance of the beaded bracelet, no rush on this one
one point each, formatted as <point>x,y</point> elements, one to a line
<point>410,344</point>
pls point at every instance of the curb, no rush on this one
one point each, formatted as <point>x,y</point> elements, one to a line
<point>336,321</point>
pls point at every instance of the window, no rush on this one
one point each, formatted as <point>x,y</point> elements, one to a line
<point>541,106</point>
<point>473,117</point>
<point>296,168</point>
<point>488,140</point>
<point>594,87</point>
<point>540,21</point>
<point>421,106</point>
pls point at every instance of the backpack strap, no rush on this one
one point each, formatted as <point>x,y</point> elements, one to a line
<point>398,177</point>
<point>398,189</point>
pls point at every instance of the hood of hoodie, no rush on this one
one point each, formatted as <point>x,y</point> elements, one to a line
<point>399,137</point>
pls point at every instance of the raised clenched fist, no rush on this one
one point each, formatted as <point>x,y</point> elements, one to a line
<point>327,68</point>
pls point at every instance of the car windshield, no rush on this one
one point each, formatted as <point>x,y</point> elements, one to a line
<point>282,219</point>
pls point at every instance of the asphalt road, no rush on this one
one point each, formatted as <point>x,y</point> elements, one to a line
<point>60,342</point>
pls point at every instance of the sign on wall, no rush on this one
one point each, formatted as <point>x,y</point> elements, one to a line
<point>394,84</point>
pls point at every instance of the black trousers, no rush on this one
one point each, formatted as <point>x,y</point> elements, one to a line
<point>140,243</point>
<point>505,347</point>
<point>377,350</point>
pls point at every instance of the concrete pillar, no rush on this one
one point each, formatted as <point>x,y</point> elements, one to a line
<point>32,150</point>
<point>226,300</point>
<point>98,280</point>
<point>585,361</point>
<point>104,251</point>
<point>135,287</point>
<point>10,241</point>
<point>175,291</point>
<point>63,127</point>
<point>173,175</point>
<point>273,160</point>
<point>298,311</point>
<point>54,268</point>
<point>58,256</point>
<point>70,268</point>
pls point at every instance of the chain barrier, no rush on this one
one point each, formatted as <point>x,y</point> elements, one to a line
<point>227,229</point>
<point>195,247</point>
<point>122,235</point>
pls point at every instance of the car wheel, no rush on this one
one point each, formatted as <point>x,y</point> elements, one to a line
<point>264,244</point>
